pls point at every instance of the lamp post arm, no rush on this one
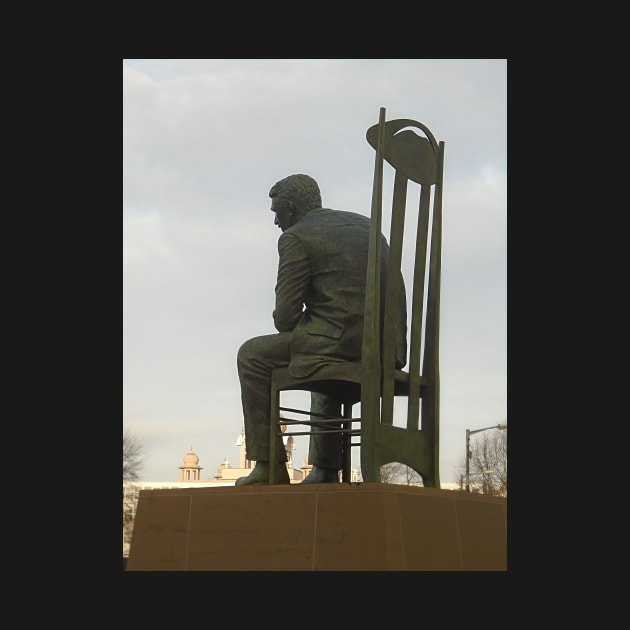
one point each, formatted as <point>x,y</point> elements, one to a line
<point>496,426</point>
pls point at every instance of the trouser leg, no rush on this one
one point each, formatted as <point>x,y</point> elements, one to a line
<point>325,450</point>
<point>255,360</point>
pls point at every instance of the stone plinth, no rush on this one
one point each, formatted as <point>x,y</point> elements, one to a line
<point>312,527</point>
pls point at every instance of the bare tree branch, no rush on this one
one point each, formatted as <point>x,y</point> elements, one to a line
<point>395,472</point>
<point>133,456</point>
<point>488,464</point>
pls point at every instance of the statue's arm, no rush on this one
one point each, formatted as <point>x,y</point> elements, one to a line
<point>292,283</point>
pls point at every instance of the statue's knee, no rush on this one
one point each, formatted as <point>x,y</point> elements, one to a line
<point>250,352</point>
<point>244,353</point>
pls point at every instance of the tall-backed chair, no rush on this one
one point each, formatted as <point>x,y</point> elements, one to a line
<point>374,381</point>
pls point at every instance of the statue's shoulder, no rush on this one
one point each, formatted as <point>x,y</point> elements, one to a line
<point>325,218</point>
<point>342,214</point>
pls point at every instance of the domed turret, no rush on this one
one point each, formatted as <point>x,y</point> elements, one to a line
<point>191,471</point>
<point>191,459</point>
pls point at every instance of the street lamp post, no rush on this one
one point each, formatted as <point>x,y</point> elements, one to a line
<point>468,453</point>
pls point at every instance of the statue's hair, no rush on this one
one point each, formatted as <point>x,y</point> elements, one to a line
<point>302,190</point>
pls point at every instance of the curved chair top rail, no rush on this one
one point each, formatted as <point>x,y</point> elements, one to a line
<point>411,154</point>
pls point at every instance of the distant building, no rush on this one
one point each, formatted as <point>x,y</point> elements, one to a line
<point>226,474</point>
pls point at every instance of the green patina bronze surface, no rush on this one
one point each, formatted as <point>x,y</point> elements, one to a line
<point>374,378</point>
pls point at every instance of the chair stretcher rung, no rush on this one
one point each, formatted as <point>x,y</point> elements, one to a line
<point>328,432</point>
<point>327,422</point>
<point>307,413</point>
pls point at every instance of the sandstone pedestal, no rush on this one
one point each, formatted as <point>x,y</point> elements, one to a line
<point>311,527</point>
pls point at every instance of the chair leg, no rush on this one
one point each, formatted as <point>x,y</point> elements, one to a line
<point>370,470</point>
<point>346,446</point>
<point>274,418</point>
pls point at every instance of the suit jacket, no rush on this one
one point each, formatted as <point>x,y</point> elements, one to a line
<point>320,290</point>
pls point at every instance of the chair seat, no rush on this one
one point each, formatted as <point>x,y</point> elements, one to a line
<point>341,380</point>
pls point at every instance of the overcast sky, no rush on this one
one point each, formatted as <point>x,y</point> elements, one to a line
<point>203,142</point>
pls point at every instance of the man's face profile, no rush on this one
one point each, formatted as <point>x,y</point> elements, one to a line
<point>283,218</point>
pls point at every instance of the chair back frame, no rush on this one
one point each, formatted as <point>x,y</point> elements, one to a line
<point>419,160</point>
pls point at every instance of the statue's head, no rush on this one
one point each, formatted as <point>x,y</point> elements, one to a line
<point>300,192</point>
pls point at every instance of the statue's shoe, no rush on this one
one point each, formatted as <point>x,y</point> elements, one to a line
<point>260,475</point>
<point>322,475</point>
